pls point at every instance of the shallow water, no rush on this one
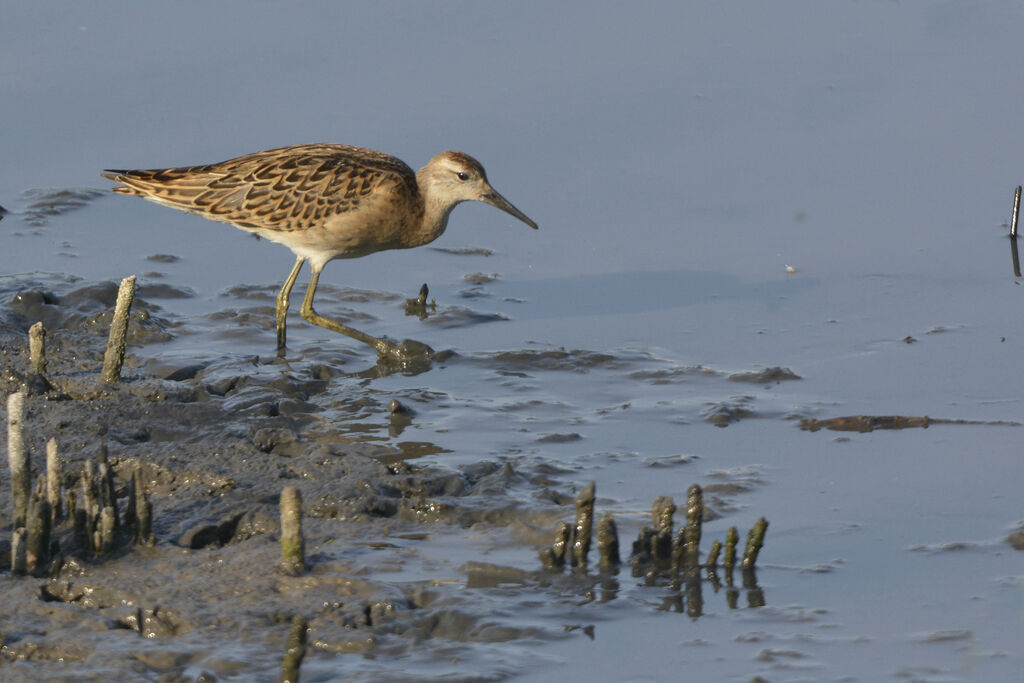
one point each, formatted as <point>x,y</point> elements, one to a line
<point>677,161</point>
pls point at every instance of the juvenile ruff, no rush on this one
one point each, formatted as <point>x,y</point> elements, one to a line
<point>325,202</point>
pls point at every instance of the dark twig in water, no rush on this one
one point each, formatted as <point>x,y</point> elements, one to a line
<point>296,650</point>
<point>1016,212</point>
<point>293,547</point>
<point>1015,255</point>
<point>37,348</point>
<point>113,359</point>
<point>869,423</point>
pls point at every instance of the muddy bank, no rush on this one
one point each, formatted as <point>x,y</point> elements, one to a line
<point>215,442</point>
<point>417,567</point>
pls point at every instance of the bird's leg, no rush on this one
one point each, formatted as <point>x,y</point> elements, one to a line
<point>282,304</point>
<point>385,349</point>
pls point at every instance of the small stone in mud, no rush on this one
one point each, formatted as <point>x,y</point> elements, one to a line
<point>185,373</point>
<point>222,386</point>
<point>725,413</point>
<point>165,291</point>
<point>766,376</point>
<point>395,407</point>
<point>219,533</point>
<point>276,440</point>
<point>480,278</point>
<point>163,258</point>
<point>559,438</point>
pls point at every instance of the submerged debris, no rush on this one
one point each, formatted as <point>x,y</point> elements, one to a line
<point>869,423</point>
<point>766,376</point>
<point>44,203</point>
<point>734,409</point>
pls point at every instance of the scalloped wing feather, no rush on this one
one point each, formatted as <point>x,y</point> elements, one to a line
<point>285,189</point>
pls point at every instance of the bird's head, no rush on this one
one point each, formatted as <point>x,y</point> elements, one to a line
<point>453,177</point>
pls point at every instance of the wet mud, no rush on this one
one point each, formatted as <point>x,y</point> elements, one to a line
<point>212,443</point>
<point>215,443</point>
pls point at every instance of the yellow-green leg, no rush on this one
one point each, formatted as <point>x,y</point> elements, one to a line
<point>385,349</point>
<point>282,304</point>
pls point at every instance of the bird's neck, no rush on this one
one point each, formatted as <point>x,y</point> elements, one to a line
<point>435,213</point>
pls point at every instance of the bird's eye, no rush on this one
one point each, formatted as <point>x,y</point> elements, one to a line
<point>463,175</point>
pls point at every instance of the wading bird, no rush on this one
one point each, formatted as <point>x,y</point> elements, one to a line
<point>325,202</point>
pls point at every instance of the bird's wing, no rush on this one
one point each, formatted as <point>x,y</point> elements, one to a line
<point>291,188</point>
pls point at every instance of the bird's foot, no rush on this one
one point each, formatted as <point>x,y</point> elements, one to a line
<point>409,351</point>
